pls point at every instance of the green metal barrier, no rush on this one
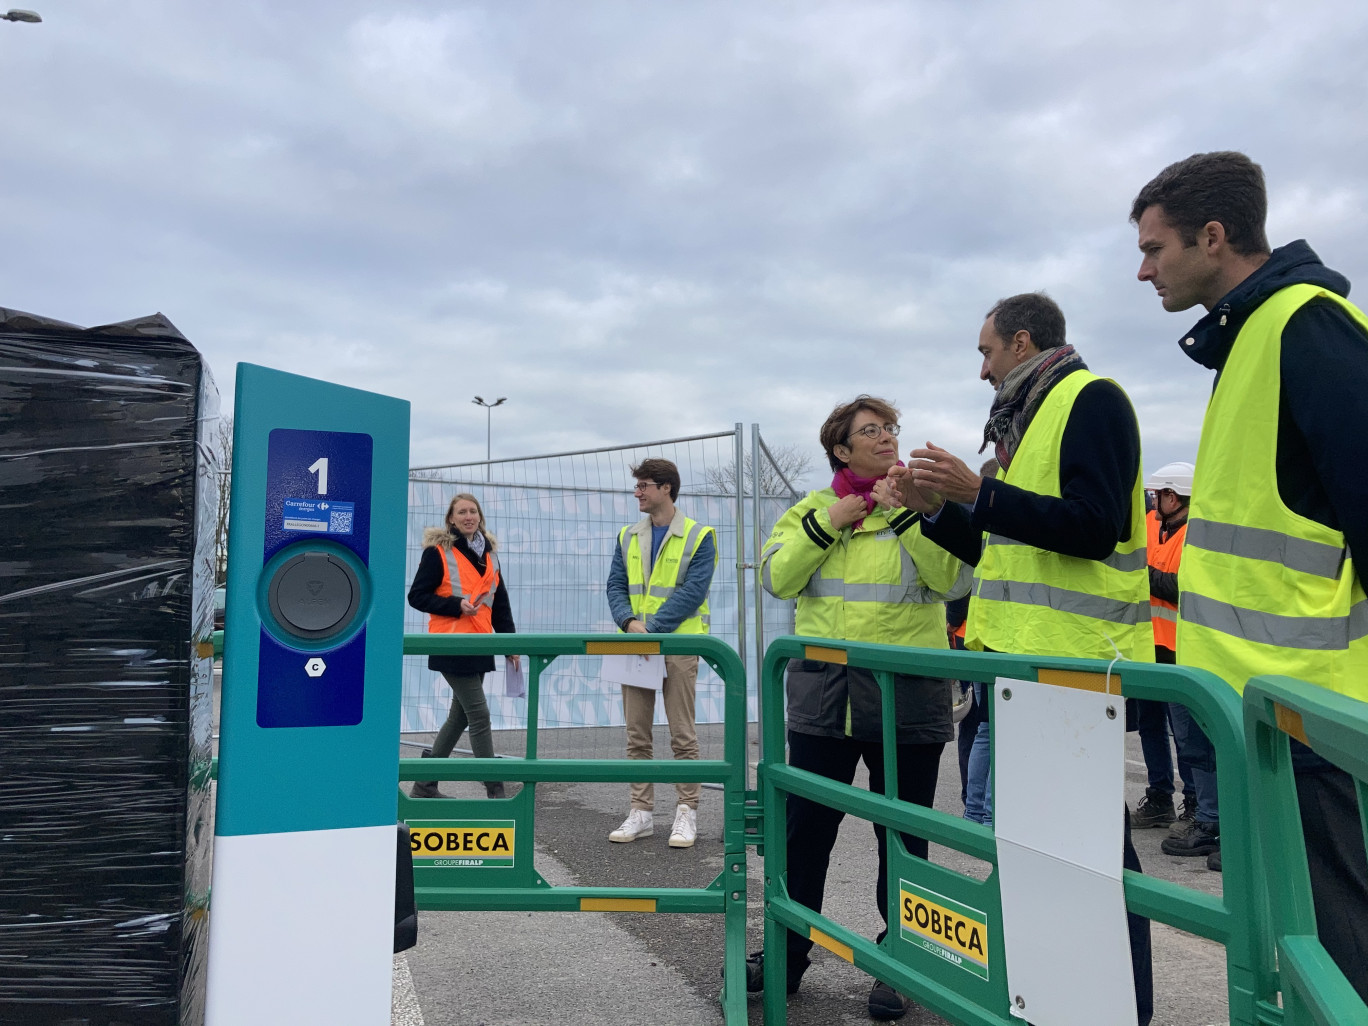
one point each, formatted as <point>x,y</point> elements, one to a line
<point>1336,728</point>
<point>477,854</point>
<point>1239,919</point>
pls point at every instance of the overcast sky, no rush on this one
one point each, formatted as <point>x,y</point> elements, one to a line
<point>645,220</point>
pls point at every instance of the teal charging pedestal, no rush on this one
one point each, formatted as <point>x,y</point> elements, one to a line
<point>302,914</point>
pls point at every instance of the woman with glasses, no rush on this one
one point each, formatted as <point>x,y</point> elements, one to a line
<point>859,572</point>
<point>460,587</point>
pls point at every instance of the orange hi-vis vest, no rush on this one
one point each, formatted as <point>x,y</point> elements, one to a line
<point>478,588</point>
<point>1164,556</point>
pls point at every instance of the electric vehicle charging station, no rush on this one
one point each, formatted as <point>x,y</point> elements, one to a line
<point>302,914</point>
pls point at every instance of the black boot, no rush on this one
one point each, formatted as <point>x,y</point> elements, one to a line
<point>1154,810</point>
<point>425,788</point>
<point>494,789</point>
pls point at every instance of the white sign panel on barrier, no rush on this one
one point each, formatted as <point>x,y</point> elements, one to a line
<point>1059,751</point>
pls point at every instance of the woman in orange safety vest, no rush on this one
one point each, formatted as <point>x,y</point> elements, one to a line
<point>460,587</point>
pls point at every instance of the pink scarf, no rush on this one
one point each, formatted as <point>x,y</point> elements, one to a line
<point>846,482</point>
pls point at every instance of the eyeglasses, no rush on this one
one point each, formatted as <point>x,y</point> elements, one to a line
<point>875,430</point>
<point>641,486</point>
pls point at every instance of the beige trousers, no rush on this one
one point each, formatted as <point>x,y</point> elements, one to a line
<point>638,709</point>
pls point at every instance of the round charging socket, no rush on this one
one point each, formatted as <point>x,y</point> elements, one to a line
<point>314,596</point>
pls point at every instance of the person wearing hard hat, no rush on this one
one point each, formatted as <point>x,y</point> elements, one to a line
<point>1198,833</point>
<point>1151,718</point>
<point>1272,580</point>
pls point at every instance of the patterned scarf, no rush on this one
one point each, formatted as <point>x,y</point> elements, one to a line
<point>1020,396</point>
<point>847,482</point>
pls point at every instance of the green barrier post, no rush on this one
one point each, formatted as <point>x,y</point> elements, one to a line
<point>954,989</point>
<point>478,854</point>
<point>1335,727</point>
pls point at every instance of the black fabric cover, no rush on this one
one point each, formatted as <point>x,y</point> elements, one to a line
<point>108,486</point>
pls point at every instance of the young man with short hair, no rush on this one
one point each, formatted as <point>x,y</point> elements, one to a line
<point>1269,583</point>
<point>658,584</point>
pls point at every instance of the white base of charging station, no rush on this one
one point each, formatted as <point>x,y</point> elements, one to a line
<point>1058,807</point>
<point>301,928</point>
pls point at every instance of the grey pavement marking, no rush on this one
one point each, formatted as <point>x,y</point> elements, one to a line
<point>404,1008</point>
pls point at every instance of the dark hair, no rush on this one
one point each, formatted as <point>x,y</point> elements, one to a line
<point>662,472</point>
<point>836,428</point>
<point>1034,312</point>
<point>1226,187</point>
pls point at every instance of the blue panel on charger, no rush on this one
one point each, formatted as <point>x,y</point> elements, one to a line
<point>318,482</point>
<point>311,689</point>
<point>342,741</point>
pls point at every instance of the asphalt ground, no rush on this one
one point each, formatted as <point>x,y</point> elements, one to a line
<point>588,967</point>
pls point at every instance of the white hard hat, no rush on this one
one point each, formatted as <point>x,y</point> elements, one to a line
<point>1176,477</point>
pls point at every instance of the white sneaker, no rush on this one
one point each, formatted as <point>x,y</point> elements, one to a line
<point>639,823</point>
<point>685,828</point>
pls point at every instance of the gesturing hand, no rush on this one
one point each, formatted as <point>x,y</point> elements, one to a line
<point>467,608</point>
<point>886,493</point>
<point>936,469</point>
<point>636,627</point>
<point>908,494</point>
<point>847,510</point>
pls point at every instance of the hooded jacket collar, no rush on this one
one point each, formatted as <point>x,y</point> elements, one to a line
<point>1210,339</point>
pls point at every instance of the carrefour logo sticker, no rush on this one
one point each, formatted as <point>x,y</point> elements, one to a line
<point>944,927</point>
<point>463,844</point>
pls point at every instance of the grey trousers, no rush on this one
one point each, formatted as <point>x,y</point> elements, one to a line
<point>468,709</point>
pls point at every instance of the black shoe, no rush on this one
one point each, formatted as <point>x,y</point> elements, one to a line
<point>755,972</point>
<point>1198,839</point>
<point>494,789</point>
<point>425,788</point>
<point>885,1003</point>
<point>1214,861</point>
<point>1154,810</point>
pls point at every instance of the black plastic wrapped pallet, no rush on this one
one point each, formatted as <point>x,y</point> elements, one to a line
<point>108,486</point>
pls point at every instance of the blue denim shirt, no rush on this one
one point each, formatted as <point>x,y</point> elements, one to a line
<point>688,594</point>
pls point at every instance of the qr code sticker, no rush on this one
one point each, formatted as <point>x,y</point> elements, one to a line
<point>340,522</point>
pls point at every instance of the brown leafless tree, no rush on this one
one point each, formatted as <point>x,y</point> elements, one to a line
<point>793,462</point>
<point>223,447</point>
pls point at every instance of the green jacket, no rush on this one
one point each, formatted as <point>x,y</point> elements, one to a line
<point>881,582</point>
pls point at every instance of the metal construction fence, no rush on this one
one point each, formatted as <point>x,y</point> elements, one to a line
<point>557,518</point>
<point>968,984</point>
<point>477,854</point>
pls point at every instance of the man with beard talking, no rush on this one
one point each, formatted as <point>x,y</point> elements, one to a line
<point>1057,539</point>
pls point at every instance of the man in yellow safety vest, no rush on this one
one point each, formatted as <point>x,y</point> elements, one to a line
<point>658,583</point>
<point>1270,583</point>
<point>1057,538</point>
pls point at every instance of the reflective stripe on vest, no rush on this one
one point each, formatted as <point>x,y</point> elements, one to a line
<point>1265,590</point>
<point>647,597</point>
<point>1030,601</point>
<point>868,586</point>
<point>459,579</point>
<point>1165,557</point>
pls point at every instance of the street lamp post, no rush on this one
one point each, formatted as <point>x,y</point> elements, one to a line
<point>32,17</point>
<point>478,401</point>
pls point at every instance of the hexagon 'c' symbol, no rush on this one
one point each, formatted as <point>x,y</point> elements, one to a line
<point>315,667</point>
